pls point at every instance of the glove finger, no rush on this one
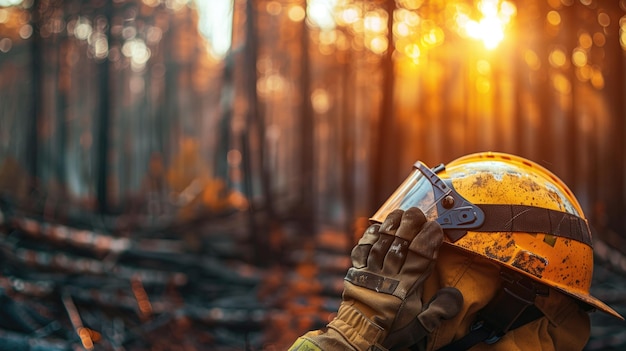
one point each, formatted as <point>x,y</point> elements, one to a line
<point>395,257</point>
<point>362,249</point>
<point>446,304</point>
<point>378,252</point>
<point>386,232</point>
<point>405,337</point>
<point>423,250</point>
<point>412,221</point>
<point>392,222</point>
<point>410,224</point>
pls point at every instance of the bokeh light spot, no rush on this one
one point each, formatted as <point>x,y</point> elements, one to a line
<point>5,44</point>
<point>296,13</point>
<point>585,40</point>
<point>483,67</point>
<point>4,16</point>
<point>273,8</point>
<point>597,79</point>
<point>599,39</point>
<point>532,60</point>
<point>561,84</point>
<point>378,44</point>
<point>320,100</point>
<point>557,58</point>
<point>603,19</point>
<point>553,18</point>
<point>26,31</point>
<point>579,57</point>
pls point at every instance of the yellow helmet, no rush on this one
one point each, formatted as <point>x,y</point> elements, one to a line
<point>511,211</point>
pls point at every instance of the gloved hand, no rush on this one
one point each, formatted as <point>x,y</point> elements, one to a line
<point>382,299</point>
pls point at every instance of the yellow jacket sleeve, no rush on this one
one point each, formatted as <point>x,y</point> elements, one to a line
<point>322,340</point>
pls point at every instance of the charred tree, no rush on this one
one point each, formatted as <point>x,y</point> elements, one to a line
<point>253,140</point>
<point>384,141</point>
<point>36,48</point>
<point>307,130</point>
<point>104,120</point>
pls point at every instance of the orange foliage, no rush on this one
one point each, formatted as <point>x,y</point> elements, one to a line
<point>193,186</point>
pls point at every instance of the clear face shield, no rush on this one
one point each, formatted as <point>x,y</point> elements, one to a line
<point>436,198</point>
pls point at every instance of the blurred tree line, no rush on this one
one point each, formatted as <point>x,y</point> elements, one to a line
<point>314,113</point>
<point>111,107</point>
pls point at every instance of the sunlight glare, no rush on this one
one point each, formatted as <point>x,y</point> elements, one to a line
<point>7,3</point>
<point>215,23</point>
<point>320,13</point>
<point>491,27</point>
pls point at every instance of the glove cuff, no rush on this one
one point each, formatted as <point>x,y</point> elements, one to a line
<point>358,330</point>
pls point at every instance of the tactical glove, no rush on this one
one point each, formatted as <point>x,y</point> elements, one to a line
<point>381,304</point>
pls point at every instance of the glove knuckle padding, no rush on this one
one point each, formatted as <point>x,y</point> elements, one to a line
<point>404,225</point>
<point>395,256</point>
<point>361,251</point>
<point>379,251</point>
<point>370,236</point>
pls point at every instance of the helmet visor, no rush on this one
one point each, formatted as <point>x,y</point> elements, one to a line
<point>415,191</point>
<point>437,199</point>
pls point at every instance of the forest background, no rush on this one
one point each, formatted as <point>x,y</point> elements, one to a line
<point>216,159</point>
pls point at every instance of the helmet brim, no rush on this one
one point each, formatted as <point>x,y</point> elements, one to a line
<point>593,302</point>
<point>588,299</point>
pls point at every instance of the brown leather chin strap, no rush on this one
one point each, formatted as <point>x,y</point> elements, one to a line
<point>529,219</point>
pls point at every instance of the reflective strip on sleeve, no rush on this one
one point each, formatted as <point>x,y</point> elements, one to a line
<point>304,345</point>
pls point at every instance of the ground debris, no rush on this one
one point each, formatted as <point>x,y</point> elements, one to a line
<point>79,290</point>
